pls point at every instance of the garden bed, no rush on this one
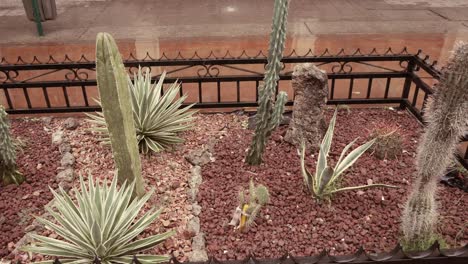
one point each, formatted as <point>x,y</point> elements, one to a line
<point>167,173</point>
<point>293,221</point>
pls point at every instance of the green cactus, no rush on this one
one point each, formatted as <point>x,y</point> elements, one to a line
<point>269,113</point>
<point>8,169</point>
<point>446,123</point>
<point>117,108</point>
<point>250,208</point>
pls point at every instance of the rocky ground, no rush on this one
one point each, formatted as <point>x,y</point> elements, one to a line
<point>38,161</point>
<point>168,173</point>
<point>293,221</point>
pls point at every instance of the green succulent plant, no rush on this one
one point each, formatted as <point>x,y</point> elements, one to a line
<point>9,172</point>
<point>326,180</point>
<point>250,208</point>
<point>158,117</point>
<point>100,224</point>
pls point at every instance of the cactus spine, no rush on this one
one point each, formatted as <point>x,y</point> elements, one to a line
<point>117,109</point>
<point>8,169</point>
<point>269,114</point>
<point>446,123</point>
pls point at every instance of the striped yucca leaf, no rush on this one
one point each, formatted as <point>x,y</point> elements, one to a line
<point>326,179</point>
<point>158,117</point>
<point>101,223</point>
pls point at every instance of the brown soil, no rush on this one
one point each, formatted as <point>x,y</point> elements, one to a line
<point>19,204</point>
<point>293,221</point>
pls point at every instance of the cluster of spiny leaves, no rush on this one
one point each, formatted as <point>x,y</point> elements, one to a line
<point>326,180</point>
<point>101,224</point>
<point>158,114</point>
<point>252,203</point>
<point>8,169</point>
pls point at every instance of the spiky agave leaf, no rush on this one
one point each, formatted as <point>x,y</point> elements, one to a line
<point>325,182</point>
<point>157,114</point>
<point>101,223</point>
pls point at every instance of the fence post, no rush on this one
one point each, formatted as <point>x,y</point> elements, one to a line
<point>408,80</point>
<point>37,17</point>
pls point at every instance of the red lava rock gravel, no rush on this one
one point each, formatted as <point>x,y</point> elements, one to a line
<point>18,204</point>
<point>296,223</point>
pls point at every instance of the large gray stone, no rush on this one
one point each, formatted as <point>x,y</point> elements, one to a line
<point>196,209</point>
<point>198,256</point>
<point>198,241</point>
<point>310,86</point>
<point>199,157</point>
<point>193,226</point>
<point>66,175</point>
<point>67,160</point>
<point>71,123</point>
<point>57,137</point>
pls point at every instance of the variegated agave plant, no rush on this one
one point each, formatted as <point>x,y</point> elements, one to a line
<point>326,180</point>
<point>101,225</point>
<point>158,117</point>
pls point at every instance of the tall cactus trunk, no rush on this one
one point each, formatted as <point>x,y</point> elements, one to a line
<point>269,114</point>
<point>117,108</point>
<point>446,124</point>
<point>9,171</point>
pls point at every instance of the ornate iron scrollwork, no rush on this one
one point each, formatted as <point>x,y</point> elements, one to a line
<point>8,76</point>
<point>210,70</point>
<point>76,74</point>
<point>342,67</point>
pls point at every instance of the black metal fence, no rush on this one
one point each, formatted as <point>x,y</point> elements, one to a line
<point>395,79</point>
<point>229,81</point>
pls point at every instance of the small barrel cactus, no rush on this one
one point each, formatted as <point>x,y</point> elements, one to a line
<point>388,142</point>
<point>8,168</point>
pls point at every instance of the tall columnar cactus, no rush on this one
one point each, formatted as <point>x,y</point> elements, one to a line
<point>118,113</point>
<point>446,123</point>
<point>269,113</point>
<point>8,169</point>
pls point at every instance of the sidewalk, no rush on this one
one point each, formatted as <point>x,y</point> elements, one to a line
<point>169,26</point>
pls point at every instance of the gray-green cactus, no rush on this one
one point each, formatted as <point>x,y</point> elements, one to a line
<point>446,123</point>
<point>117,108</point>
<point>269,113</point>
<point>250,207</point>
<point>8,169</point>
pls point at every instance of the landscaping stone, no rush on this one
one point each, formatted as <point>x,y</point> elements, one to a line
<point>195,181</point>
<point>199,157</point>
<point>46,120</point>
<point>71,123</point>
<point>64,148</point>
<point>198,241</point>
<point>66,175</point>
<point>196,209</point>
<point>67,160</point>
<point>193,225</point>
<point>310,86</point>
<point>57,137</point>
<point>198,256</point>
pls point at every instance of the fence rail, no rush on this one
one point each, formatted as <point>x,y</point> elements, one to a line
<point>64,86</point>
